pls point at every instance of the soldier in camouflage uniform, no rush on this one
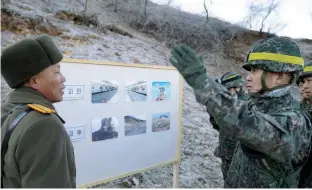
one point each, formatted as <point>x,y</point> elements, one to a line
<point>227,144</point>
<point>304,82</point>
<point>274,138</point>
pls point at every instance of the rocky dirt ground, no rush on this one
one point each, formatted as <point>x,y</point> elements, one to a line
<point>117,42</point>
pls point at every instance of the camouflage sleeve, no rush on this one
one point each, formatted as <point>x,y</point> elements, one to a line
<point>213,123</point>
<point>42,156</point>
<point>257,130</point>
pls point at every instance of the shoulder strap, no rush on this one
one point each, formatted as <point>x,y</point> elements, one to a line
<point>5,142</point>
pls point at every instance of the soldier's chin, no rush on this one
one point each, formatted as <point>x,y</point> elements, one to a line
<point>251,92</point>
<point>58,99</point>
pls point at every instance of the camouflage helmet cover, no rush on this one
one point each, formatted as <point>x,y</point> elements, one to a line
<point>307,72</point>
<point>277,54</point>
<point>232,79</point>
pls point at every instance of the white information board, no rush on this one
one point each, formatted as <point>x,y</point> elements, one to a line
<point>122,118</point>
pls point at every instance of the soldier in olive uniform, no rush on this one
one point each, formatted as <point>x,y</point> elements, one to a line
<point>227,144</point>
<point>39,151</point>
<point>304,82</point>
<point>274,138</point>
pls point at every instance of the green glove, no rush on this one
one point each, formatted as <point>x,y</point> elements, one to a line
<point>191,66</point>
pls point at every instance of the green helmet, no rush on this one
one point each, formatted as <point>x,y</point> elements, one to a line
<point>232,79</point>
<point>277,54</point>
<point>307,72</point>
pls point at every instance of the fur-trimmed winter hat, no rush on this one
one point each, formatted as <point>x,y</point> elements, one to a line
<point>28,57</point>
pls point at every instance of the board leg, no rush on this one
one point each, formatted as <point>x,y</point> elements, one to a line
<point>176,175</point>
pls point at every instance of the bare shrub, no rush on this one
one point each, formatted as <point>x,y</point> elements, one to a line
<point>172,26</point>
<point>259,14</point>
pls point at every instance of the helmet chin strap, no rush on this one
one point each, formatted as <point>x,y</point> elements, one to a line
<point>264,87</point>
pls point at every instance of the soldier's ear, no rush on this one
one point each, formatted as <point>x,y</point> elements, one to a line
<point>280,75</point>
<point>286,78</point>
<point>33,82</point>
<point>283,78</point>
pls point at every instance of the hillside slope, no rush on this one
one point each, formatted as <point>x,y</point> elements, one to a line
<point>120,36</point>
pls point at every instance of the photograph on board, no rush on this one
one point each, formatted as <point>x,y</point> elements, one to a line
<point>135,91</point>
<point>160,122</point>
<point>135,125</point>
<point>161,91</point>
<point>75,133</point>
<point>104,128</point>
<point>104,91</point>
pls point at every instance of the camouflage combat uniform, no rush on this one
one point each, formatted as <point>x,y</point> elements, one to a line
<point>305,105</point>
<point>274,138</point>
<point>227,143</point>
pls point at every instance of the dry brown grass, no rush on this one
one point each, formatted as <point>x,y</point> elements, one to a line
<point>118,30</point>
<point>80,39</point>
<point>80,19</point>
<point>17,24</point>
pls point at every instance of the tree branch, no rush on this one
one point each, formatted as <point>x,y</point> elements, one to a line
<point>207,14</point>
<point>86,6</point>
<point>116,3</point>
<point>145,15</point>
<point>273,5</point>
<point>258,16</point>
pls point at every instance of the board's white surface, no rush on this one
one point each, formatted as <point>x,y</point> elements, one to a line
<point>102,160</point>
